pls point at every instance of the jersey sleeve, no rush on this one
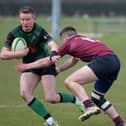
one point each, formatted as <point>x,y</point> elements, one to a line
<point>9,40</point>
<point>44,36</point>
<point>64,49</point>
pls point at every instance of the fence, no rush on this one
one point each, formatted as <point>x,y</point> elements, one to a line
<point>111,26</point>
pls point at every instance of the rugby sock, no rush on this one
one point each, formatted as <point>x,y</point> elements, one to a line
<point>66,97</point>
<point>88,103</point>
<point>39,108</point>
<point>118,121</point>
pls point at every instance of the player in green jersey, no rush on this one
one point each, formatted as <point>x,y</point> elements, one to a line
<point>37,40</point>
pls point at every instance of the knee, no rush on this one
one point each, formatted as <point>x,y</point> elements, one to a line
<point>67,82</point>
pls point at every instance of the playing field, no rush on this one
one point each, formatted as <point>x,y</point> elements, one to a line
<point>13,111</point>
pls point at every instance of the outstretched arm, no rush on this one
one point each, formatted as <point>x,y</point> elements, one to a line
<point>44,62</point>
<point>68,64</point>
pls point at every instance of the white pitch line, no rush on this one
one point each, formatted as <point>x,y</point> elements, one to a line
<point>12,106</point>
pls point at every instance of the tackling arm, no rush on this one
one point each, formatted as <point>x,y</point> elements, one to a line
<point>68,64</point>
<point>44,62</point>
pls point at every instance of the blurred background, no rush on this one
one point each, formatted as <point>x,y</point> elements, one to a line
<point>108,10</point>
<point>69,7</point>
<point>101,19</point>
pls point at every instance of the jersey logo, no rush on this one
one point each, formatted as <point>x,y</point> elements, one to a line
<point>45,37</point>
<point>32,48</point>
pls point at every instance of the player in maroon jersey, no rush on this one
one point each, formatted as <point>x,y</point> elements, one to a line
<point>102,67</point>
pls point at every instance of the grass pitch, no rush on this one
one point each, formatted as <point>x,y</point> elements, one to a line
<point>13,110</point>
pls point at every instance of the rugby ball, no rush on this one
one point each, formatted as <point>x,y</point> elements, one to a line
<point>18,43</point>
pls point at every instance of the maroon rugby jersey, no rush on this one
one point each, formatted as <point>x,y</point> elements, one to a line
<point>84,48</point>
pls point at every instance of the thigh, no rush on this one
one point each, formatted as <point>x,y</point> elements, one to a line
<point>28,81</point>
<point>105,67</point>
<point>83,75</point>
<point>48,83</point>
<point>102,86</point>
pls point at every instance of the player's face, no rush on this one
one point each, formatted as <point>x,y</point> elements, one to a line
<point>27,21</point>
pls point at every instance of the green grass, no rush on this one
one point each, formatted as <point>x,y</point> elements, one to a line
<point>14,112</point>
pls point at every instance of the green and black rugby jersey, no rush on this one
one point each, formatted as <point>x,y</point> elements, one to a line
<point>36,40</point>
